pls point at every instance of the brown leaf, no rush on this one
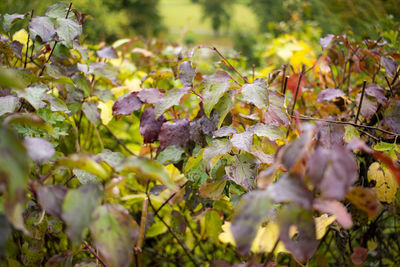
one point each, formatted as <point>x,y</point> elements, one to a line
<point>364,199</point>
<point>175,133</point>
<point>149,126</point>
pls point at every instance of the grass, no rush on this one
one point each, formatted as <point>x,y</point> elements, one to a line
<point>182,17</point>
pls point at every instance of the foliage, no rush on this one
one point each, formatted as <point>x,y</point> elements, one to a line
<point>218,12</point>
<point>150,153</point>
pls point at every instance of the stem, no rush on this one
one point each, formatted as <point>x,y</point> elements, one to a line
<point>55,44</point>
<point>283,78</point>
<point>271,253</point>
<point>361,100</point>
<point>119,140</point>
<point>389,84</point>
<point>254,70</point>
<point>166,201</point>
<point>297,90</point>
<point>285,85</point>
<point>143,220</point>
<point>94,253</point>
<point>27,44</point>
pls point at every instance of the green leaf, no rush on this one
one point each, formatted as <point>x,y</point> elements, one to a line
<point>350,133</point>
<point>114,233</point>
<point>83,162</point>
<point>10,78</point>
<point>8,104</point>
<point>77,210</point>
<point>171,154</point>
<point>30,119</point>
<point>147,169</point>
<point>216,148</point>
<point>252,210</point>
<point>34,95</point>
<point>91,111</point>
<point>212,94</point>
<point>242,141</point>
<point>42,27</point>
<point>270,131</point>
<point>212,191</point>
<point>68,30</point>
<point>9,19</point>
<point>242,169</point>
<point>14,167</point>
<point>213,224</point>
<point>85,177</point>
<point>256,93</point>
<point>112,158</point>
<point>225,105</point>
<point>58,10</point>
<point>170,98</point>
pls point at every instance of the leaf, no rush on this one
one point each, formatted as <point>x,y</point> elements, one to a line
<point>224,106</point>
<point>390,65</point>
<point>77,209</point>
<point>270,131</point>
<point>174,133</point>
<point>171,154</point>
<point>350,133</point>
<point>305,244</point>
<point>9,19</point>
<point>8,104</point>
<point>225,131</point>
<point>216,148</point>
<point>364,199</point>
<point>85,177</point>
<point>5,232</point>
<point>332,171</point>
<point>242,169</point>
<point>322,223</point>
<point>330,134</point>
<point>289,188</point>
<point>30,119</point>
<point>335,208</point>
<point>359,255</point>
<point>251,211</point>
<point>187,73</point>
<point>51,198</point>
<point>376,92</point>
<point>68,30</point>
<point>327,40</point>
<point>42,27</point>
<point>150,96</point>
<point>385,184</point>
<point>39,149</point>
<point>150,127</point>
<point>266,238</point>
<point>178,222</point>
<point>146,168</point>
<point>242,141</point>
<point>276,114</point>
<point>212,191</point>
<point>57,10</point>
<point>91,111</point>
<point>114,233</point>
<point>368,107</point>
<point>329,94</point>
<point>170,98</point>
<point>127,105</point>
<point>256,93</point>
<point>34,95</point>
<point>213,224</point>
<point>212,93</point>
<point>107,52</point>
<point>392,117</point>
<point>83,162</point>
<point>106,114</point>
<point>14,168</point>
<point>10,78</point>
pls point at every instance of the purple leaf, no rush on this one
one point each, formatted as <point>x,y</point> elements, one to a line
<point>330,134</point>
<point>336,208</point>
<point>326,40</point>
<point>276,113</point>
<point>377,92</point>
<point>187,73</point>
<point>225,131</point>
<point>175,133</point>
<point>51,198</point>
<point>150,96</point>
<point>107,52</point>
<point>368,107</point>
<point>390,65</point>
<point>149,126</point>
<point>329,94</point>
<point>392,115</point>
<point>127,105</point>
<point>42,27</point>
<point>39,149</point>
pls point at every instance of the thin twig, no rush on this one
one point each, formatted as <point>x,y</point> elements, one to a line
<point>283,77</point>
<point>143,221</point>
<point>55,44</point>
<point>170,197</point>
<point>27,43</point>
<point>271,253</point>
<point>119,140</point>
<point>254,71</point>
<point>285,85</point>
<point>389,84</point>
<point>94,253</point>
<point>361,100</point>
<point>297,89</point>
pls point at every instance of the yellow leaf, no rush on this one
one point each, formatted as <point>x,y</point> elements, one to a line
<point>364,199</point>
<point>321,224</point>
<point>21,36</point>
<point>106,111</point>
<point>266,238</point>
<point>386,186</point>
<point>226,236</point>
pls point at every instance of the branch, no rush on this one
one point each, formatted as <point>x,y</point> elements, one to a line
<point>271,253</point>
<point>361,100</point>
<point>94,253</point>
<point>119,140</point>
<point>166,201</point>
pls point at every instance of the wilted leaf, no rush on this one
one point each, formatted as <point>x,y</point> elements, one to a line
<point>149,126</point>
<point>187,73</point>
<point>170,98</point>
<point>252,210</point>
<point>332,171</point>
<point>335,208</point>
<point>242,141</point>
<point>364,199</point>
<point>289,188</point>
<point>305,244</point>
<point>91,111</point>
<point>150,96</point>
<point>42,27</point>
<point>146,168</point>
<point>68,30</point>
<point>392,115</point>
<point>390,65</point>
<point>359,255</point>
<point>39,149</point>
<point>376,92</point>
<point>174,133</point>
<point>212,191</point>
<point>385,184</point>
<point>270,131</point>
<point>34,95</point>
<point>171,154</point>
<point>329,94</point>
<point>83,162</point>
<point>127,105</point>
<point>225,131</point>
<point>77,210</point>
<point>276,114</point>
<point>114,233</point>
<point>107,52</point>
<point>242,169</point>
<point>8,104</point>
<point>216,148</point>
<point>51,198</point>
<point>256,93</point>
